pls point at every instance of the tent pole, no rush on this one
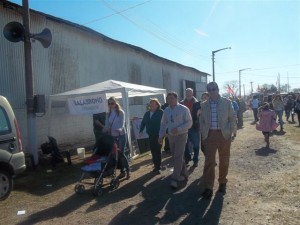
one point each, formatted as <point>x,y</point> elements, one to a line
<point>127,116</point>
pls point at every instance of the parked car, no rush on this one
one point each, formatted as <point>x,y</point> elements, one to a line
<point>12,158</point>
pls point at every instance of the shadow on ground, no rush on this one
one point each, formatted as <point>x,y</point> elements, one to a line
<point>279,133</point>
<point>265,151</point>
<point>46,179</point>
<point>163,205</point>
<point>160,204</point>
<point>59,211</point>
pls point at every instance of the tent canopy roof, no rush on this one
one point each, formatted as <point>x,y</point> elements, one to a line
<point>110,88</point>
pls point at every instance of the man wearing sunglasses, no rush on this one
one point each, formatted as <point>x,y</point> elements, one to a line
<point>217,125</point>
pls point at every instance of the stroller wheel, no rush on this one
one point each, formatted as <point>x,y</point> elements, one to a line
<point>114,184</point>
<point>79,188</point>
<point>98,191</point>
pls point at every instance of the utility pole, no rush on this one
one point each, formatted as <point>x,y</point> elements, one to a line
<point>244,91</point>
<point>288,83</point>
<point>213,61</point>
<point>278,83</point>
<point>240,86</point>
<point>15,32</point>
<point>31,119</point>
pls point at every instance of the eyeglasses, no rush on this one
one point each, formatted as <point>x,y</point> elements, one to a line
<point>211,89</point>
<point>111,103</point>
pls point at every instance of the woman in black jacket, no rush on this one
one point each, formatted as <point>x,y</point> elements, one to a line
<point>151,121</point>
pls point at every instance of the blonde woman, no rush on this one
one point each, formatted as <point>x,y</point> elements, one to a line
<point>115,126</point>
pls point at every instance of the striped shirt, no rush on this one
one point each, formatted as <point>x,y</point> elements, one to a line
<point>214,123</point>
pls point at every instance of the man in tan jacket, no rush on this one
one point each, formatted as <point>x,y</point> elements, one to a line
<point>217,125</point>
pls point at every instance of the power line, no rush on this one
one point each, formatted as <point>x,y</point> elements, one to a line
<point>119,12</point>
<point>238,55</point>
<point>267,68</point>
<point>161,36</point>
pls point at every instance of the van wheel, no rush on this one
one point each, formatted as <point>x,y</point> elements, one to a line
<point>6,184</point>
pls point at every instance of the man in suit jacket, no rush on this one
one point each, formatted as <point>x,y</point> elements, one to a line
<point>217,125</point>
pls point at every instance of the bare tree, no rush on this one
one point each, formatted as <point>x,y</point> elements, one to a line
<point>296,90</point>
<point>234,85</point>
<point>269,88</point>
<point>285,87</point>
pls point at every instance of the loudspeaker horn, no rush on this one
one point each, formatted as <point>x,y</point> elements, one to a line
<point>14,31</point>
<point>45,37</point>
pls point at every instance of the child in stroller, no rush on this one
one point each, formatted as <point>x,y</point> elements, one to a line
<point>103,163</point>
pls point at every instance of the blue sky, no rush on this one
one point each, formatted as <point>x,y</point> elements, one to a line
<point>263,35</point>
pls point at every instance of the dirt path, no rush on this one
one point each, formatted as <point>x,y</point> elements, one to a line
<point>263,188</point>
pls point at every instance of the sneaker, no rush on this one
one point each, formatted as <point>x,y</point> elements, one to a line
<point>127,175</point>
<point>156,171</point>
<point>207,194</point>
<point>174,184</point>
<point>222,188</point>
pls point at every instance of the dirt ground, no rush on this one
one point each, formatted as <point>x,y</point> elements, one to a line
<point>263,188</point>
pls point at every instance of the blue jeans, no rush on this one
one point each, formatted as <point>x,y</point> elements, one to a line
<point>194,138</point>
<point>279,113</point>
<point>121,142</point>
<point>255,111</point>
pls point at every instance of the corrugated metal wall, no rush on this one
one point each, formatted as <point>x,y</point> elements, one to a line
<point>78,57</point>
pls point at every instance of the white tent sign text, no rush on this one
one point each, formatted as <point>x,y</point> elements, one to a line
<point>87,105</point>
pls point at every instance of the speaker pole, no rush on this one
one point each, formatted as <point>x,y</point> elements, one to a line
<point>31,119</point>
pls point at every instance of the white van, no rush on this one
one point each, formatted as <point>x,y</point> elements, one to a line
<point>12,159</point>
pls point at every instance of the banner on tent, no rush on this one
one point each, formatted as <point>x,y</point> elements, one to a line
<point>136,123</point>
<point>87,105</point>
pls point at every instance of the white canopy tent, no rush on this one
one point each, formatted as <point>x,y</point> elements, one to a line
<point>110,88</point>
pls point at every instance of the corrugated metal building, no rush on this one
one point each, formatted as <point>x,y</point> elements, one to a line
<point>77,57</point>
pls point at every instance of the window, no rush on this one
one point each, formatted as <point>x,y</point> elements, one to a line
<point>5,127</point>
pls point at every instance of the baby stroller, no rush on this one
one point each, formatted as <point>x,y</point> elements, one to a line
<point>104,162</point>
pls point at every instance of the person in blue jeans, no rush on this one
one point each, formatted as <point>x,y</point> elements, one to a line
<point>115,126</point>
<point>193,136</point>
<point>193,133</point>
<point>278,107</point>
<point>254,106</point>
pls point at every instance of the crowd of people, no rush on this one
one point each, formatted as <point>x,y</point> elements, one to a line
<point>270,115</point>
<point>188,126</point>
<point>288,105</point>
